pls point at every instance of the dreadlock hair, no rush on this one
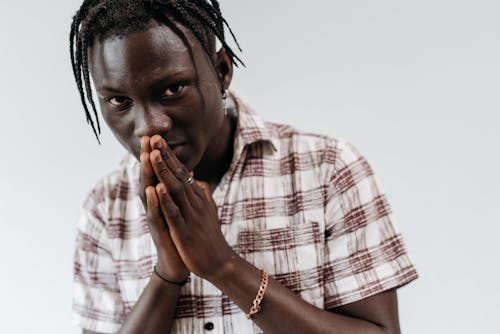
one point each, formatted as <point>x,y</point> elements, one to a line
<point>102,19</point>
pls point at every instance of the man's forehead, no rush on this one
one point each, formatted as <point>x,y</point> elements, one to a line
<point>156,46</point>
<point>157,39</point>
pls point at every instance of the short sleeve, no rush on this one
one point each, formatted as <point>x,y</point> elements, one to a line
<point>97,304</point>
<point>364,250</point>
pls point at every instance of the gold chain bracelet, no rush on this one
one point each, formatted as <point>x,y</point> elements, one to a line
<point>260,295</point>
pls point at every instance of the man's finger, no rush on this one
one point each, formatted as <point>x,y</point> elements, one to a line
<point>154,214</point>
<point>170,210</point>
<point>207,192</point>
<point>177,169</point>
<point>175,188</point>
<point>146,176</point>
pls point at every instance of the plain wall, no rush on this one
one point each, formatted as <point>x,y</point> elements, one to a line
<point>413,84</point>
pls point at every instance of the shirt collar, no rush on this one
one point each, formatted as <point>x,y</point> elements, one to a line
<point>251,128</point>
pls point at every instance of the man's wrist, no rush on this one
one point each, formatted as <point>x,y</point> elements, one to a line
<point>227,270</point>
<point>180,282</point>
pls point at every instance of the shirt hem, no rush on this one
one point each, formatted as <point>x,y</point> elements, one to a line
<point>393,282</point>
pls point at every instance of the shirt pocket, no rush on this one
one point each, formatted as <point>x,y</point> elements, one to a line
<point>292,255</point>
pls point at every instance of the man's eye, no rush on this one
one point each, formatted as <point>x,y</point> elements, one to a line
<point>118,101</point>
<point>173,90</point>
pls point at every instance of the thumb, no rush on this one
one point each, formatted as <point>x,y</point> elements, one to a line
<point>207,192</point>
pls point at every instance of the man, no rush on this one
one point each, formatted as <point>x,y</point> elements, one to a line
<point>217,220</point>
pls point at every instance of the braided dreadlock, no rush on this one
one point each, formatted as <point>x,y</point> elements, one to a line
<point>102,19</point>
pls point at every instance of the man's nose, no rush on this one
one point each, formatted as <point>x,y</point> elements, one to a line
<point>151,120</point>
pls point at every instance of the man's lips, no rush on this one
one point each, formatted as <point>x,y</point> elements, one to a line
<point>176,147</point>
<point>175,144</point>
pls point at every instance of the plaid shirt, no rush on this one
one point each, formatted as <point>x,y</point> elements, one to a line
<point>305,208</point>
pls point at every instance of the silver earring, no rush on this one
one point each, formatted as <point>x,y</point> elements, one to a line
<point>224,102</point>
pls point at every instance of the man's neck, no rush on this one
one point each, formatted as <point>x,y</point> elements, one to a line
<point>211,171</point>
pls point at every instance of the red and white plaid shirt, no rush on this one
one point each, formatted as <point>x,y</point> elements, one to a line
<point>305,208</point>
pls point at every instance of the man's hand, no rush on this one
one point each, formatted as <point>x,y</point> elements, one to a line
<point>190,213</point>
<point>169,263</point>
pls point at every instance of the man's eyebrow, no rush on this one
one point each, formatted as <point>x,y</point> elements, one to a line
<point>170,77</point>
<point>160,80</point>
<point>166,75</point>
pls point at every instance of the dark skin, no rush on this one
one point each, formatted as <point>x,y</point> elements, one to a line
<point>162,99</point>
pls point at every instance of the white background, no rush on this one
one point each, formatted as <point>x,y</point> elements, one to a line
<point>413,84</point>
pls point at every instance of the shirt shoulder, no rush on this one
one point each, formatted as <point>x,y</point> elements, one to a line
<point>329,151</point>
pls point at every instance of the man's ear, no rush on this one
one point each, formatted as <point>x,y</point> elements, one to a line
<point>224,68</point>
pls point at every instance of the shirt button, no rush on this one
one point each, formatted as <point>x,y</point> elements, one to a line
<point>209,326</point>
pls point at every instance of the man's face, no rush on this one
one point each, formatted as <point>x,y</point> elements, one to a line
<point>151,82</point>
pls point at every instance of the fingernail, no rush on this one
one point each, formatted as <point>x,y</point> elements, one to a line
<point>157,156</point>
<point>161,188</point>
<point>150,200</point>
<point>143,142</point>
<point>158,144</point>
